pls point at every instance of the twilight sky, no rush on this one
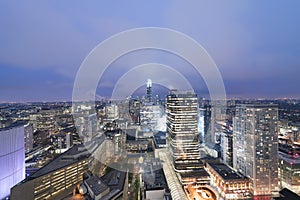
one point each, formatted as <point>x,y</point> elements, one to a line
<point>255,44</point>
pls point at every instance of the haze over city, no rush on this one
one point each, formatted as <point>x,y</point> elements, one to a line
<point>255,44</point>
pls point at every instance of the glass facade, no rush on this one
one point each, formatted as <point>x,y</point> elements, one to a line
<point>255,146</point>
<point>182,129</point>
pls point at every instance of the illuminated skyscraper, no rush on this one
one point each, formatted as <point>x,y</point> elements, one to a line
<point>255,146</point>
<point>182,130</point>
<point>149,90</point>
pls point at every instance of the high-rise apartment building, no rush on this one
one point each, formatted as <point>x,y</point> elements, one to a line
<point>134,110</point>
<point>226,148</point>
<point>182,130</point>
<point>255,146</point>
<point>28,136</point>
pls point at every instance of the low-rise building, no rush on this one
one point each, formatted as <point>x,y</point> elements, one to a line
<point>289,171</point>
<point>195,178</point>
<point>96,187</point>
<point>111,186</point>
<point>230,184</point>
<point>155,185</point>
<point>57,177</point>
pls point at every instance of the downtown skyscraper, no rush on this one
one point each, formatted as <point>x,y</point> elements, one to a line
<point>255,146</point>
<point>149,91</point>
<point>182,130</point>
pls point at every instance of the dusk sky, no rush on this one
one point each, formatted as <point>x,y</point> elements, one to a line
<point>255,44</point>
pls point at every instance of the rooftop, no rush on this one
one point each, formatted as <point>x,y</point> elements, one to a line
<point>288,158</point>
<point>14,125</point>
<point>155,180</point>
<point>195,174</point>
<point>191,164</point>
<point>159,141</point>
<point>73,155</point>
<point>176,93</point>
<point>286,194</point>
<point>115,179</point>
<point>258,105</point>
<point>96,185</point>
<point>226,172</point>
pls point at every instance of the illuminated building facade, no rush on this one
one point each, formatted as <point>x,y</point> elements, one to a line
<point>134,110</point>
<point>230,185</point>
<point>289,172</point>
<point>198,179</point>
<point>28,136</point>
<point>150,116</point>
<point>255,146</point>
<point>55,178</point>
<point>226,148</point>
<point>112,112</point>
<point>182,130</point>
<point>12,158</point>
<point>149,90</point>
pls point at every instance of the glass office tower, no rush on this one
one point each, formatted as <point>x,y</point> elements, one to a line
<point>182,130</point>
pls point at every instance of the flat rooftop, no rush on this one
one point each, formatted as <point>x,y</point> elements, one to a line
<point>226,172</point>
<point>195,174</point>
<point>155,180</point>
<point>286,194</point>
<point>159,141</point>
<point>14,125</point>
<point>288,158</point>
<point>96,185</point>
<point>193,163</point>
<point>257,105</point>
<point>115,179</point>
<point>73,155</point>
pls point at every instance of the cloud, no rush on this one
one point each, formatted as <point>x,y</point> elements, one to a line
<point>254,44</point>
<point>40,35</point>
<point>246,39</point>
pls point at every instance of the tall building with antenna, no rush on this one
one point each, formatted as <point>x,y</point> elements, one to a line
<point>149,90</point>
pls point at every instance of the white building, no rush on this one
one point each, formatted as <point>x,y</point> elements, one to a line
<point>28,136</point>
<point>150,116</point>
<point>12,158</point>
<point>112,112</point>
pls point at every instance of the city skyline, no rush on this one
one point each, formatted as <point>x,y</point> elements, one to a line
<point>84,152</point>
<point>255,45</point>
